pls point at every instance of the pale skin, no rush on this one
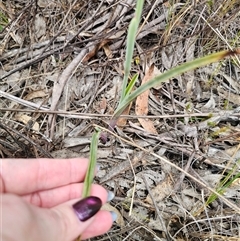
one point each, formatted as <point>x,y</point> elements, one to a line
<point>37,197</point>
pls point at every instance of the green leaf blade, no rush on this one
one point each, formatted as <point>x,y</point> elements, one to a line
<point>131,36</point>
<point>131,84</point>
<point>200,62</point>
<point>92,164</point>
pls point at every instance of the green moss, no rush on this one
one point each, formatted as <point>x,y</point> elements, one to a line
<point>210,115</point>
<point>211,123</point>
<point>220,131</point>
<point>3,21</point>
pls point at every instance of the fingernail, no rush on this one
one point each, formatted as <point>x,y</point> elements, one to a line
<point>87,207</point>
<point>110,196</point>
<point>114,216</point>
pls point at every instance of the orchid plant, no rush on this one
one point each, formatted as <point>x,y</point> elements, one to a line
<point>127,93</point>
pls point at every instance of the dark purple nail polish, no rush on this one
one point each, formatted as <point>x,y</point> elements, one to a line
<point>87,207</point>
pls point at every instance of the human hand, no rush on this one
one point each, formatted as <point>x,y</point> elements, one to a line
<point>37,197</point>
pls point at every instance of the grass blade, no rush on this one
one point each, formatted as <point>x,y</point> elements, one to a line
<point>131,84</point>
<point>132,32</point>
<point>92,164</point>
<point>173,73</point>
<point>225,183</point>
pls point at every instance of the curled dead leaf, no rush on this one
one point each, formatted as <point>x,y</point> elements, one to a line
<point>110,208</point>
<point>35,94</point>
<point>142,104</point>
<point>161,191</point>
<point>122,120</point>
<point>25,119</point>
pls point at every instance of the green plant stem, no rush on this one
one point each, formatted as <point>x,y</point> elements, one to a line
<point>132,32</point>
<point>131,84</point>
<point>92,164</point>
<point>225,183</point>
<point>170,74</point>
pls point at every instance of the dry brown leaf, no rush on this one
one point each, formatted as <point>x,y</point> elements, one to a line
<point>94,51</point>
<point>39,26</point>
<point>122,121</point>
<point>35,94</point>
<point>107,51</point>
<point>210,105</point>
<point>161,191</point>
<point>157,72</point>
<point>142,104</point>
<point>103,105</point>
<point>25,120</point>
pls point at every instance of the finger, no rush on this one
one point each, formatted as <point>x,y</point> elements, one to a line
<point>101,224</point>
<point>24,176</point>
<point>61,223</point>
<point>56,196</point>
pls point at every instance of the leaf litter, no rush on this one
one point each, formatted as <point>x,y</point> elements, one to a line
<point>141,107</point>
<point>66,59</point>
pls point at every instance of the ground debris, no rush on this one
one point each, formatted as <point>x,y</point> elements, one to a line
<point>62,64</point>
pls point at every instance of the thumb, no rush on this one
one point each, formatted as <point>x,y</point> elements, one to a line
<point>23,221</point>
<point>74,219</point>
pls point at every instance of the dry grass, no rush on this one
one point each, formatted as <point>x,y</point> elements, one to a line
<point>62,65</point>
